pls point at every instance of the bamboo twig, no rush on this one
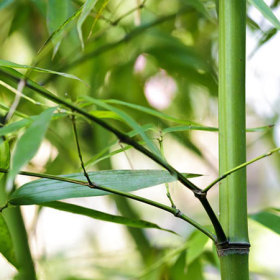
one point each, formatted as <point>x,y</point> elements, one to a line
<point>239,167</point>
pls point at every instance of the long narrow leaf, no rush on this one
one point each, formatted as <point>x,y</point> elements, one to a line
<point>9,64</point>
<point>29,143</point>
<point>150,112</point>
<point>267,219</point>
<point>87,7</point>
<point>14,126</point>
<point>266,12</point>
<point>131,122</point>
<point>72,208</point>
<point>46,190</point>
<point>6,244</point>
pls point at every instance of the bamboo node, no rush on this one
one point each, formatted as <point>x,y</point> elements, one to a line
<point>234,248</point>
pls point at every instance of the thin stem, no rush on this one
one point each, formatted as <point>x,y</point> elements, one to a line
<point>239,167</point>
<point>160,141</point>
<point>175,212</point>
<point>79,150</point>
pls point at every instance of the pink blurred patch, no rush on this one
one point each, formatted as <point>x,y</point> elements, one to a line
<point>160,90</point>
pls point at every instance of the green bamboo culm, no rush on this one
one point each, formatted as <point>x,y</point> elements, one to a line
<point>232,138</point>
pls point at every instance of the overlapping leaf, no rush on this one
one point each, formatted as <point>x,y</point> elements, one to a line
<point>46,190</point>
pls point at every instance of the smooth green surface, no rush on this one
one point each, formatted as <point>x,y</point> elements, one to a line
<point>233,267</point>
<point>98,215</point>
<point>232,137</point>
<point>232,140</point>
<point>45,190</point>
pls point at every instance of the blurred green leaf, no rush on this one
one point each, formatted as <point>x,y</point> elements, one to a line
<point>195,271</point>
<point>9,128</point>
<point>177,271</point>
<point>266,12</point>
<point>5,3</point>
<point>9,64</point>
<point>130,121</point>
<point>57,13</point>
<point>150,111</point>
<point>87,7</point>
<point>136,223</point>
<point>29,143</point>
<point>46,190</point>
<point>267,219</point>
<point>6,244</point>
<point>196,244</point>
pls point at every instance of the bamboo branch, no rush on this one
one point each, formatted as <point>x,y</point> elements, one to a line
<point>176,212</point>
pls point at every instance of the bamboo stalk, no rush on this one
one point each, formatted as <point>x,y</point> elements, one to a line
<point>232,139</point>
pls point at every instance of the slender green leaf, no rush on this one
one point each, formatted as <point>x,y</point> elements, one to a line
<point>130,121</point>
<point>150,111</point>
<point>195,271</point>
<point>177,271</point>
<point>72,208</point>
<point>6,244</point>
<point>56,14</point>
<point>9,128</point>
<point>106,115</point>
<point>56,35</point>
<point>196,244</point>
<point>266,12</point>
<point>29,143</point>
<point>87,7</point>
<point>189,127</point>
<point>9,64</point>
<point>46,190</point>
<point>267,219</point>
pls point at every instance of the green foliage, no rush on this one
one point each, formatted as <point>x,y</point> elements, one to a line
<point>267,12</point>
<point>45,190</point>
<point>75,209</point>
<point>6,244</point>
<point>29,143</point>
<point>127,54</point>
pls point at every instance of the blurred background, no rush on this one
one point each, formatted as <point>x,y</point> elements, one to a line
<point>162,55</point>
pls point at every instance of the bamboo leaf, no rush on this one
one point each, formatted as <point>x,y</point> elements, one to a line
<point>130,121</point>
<point>29,143</point>
<point>150,112</point>
<point>87,7</point>
<point>9,64</point>
<point>266,12</point>
<point>267,219</point>
<point>56,14</point>
<point>9,128</point>
<point>189,127</point>
<point>196,244</point>
<point>6,244</point>
<point>46,190</point>
<point>136,223</point>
